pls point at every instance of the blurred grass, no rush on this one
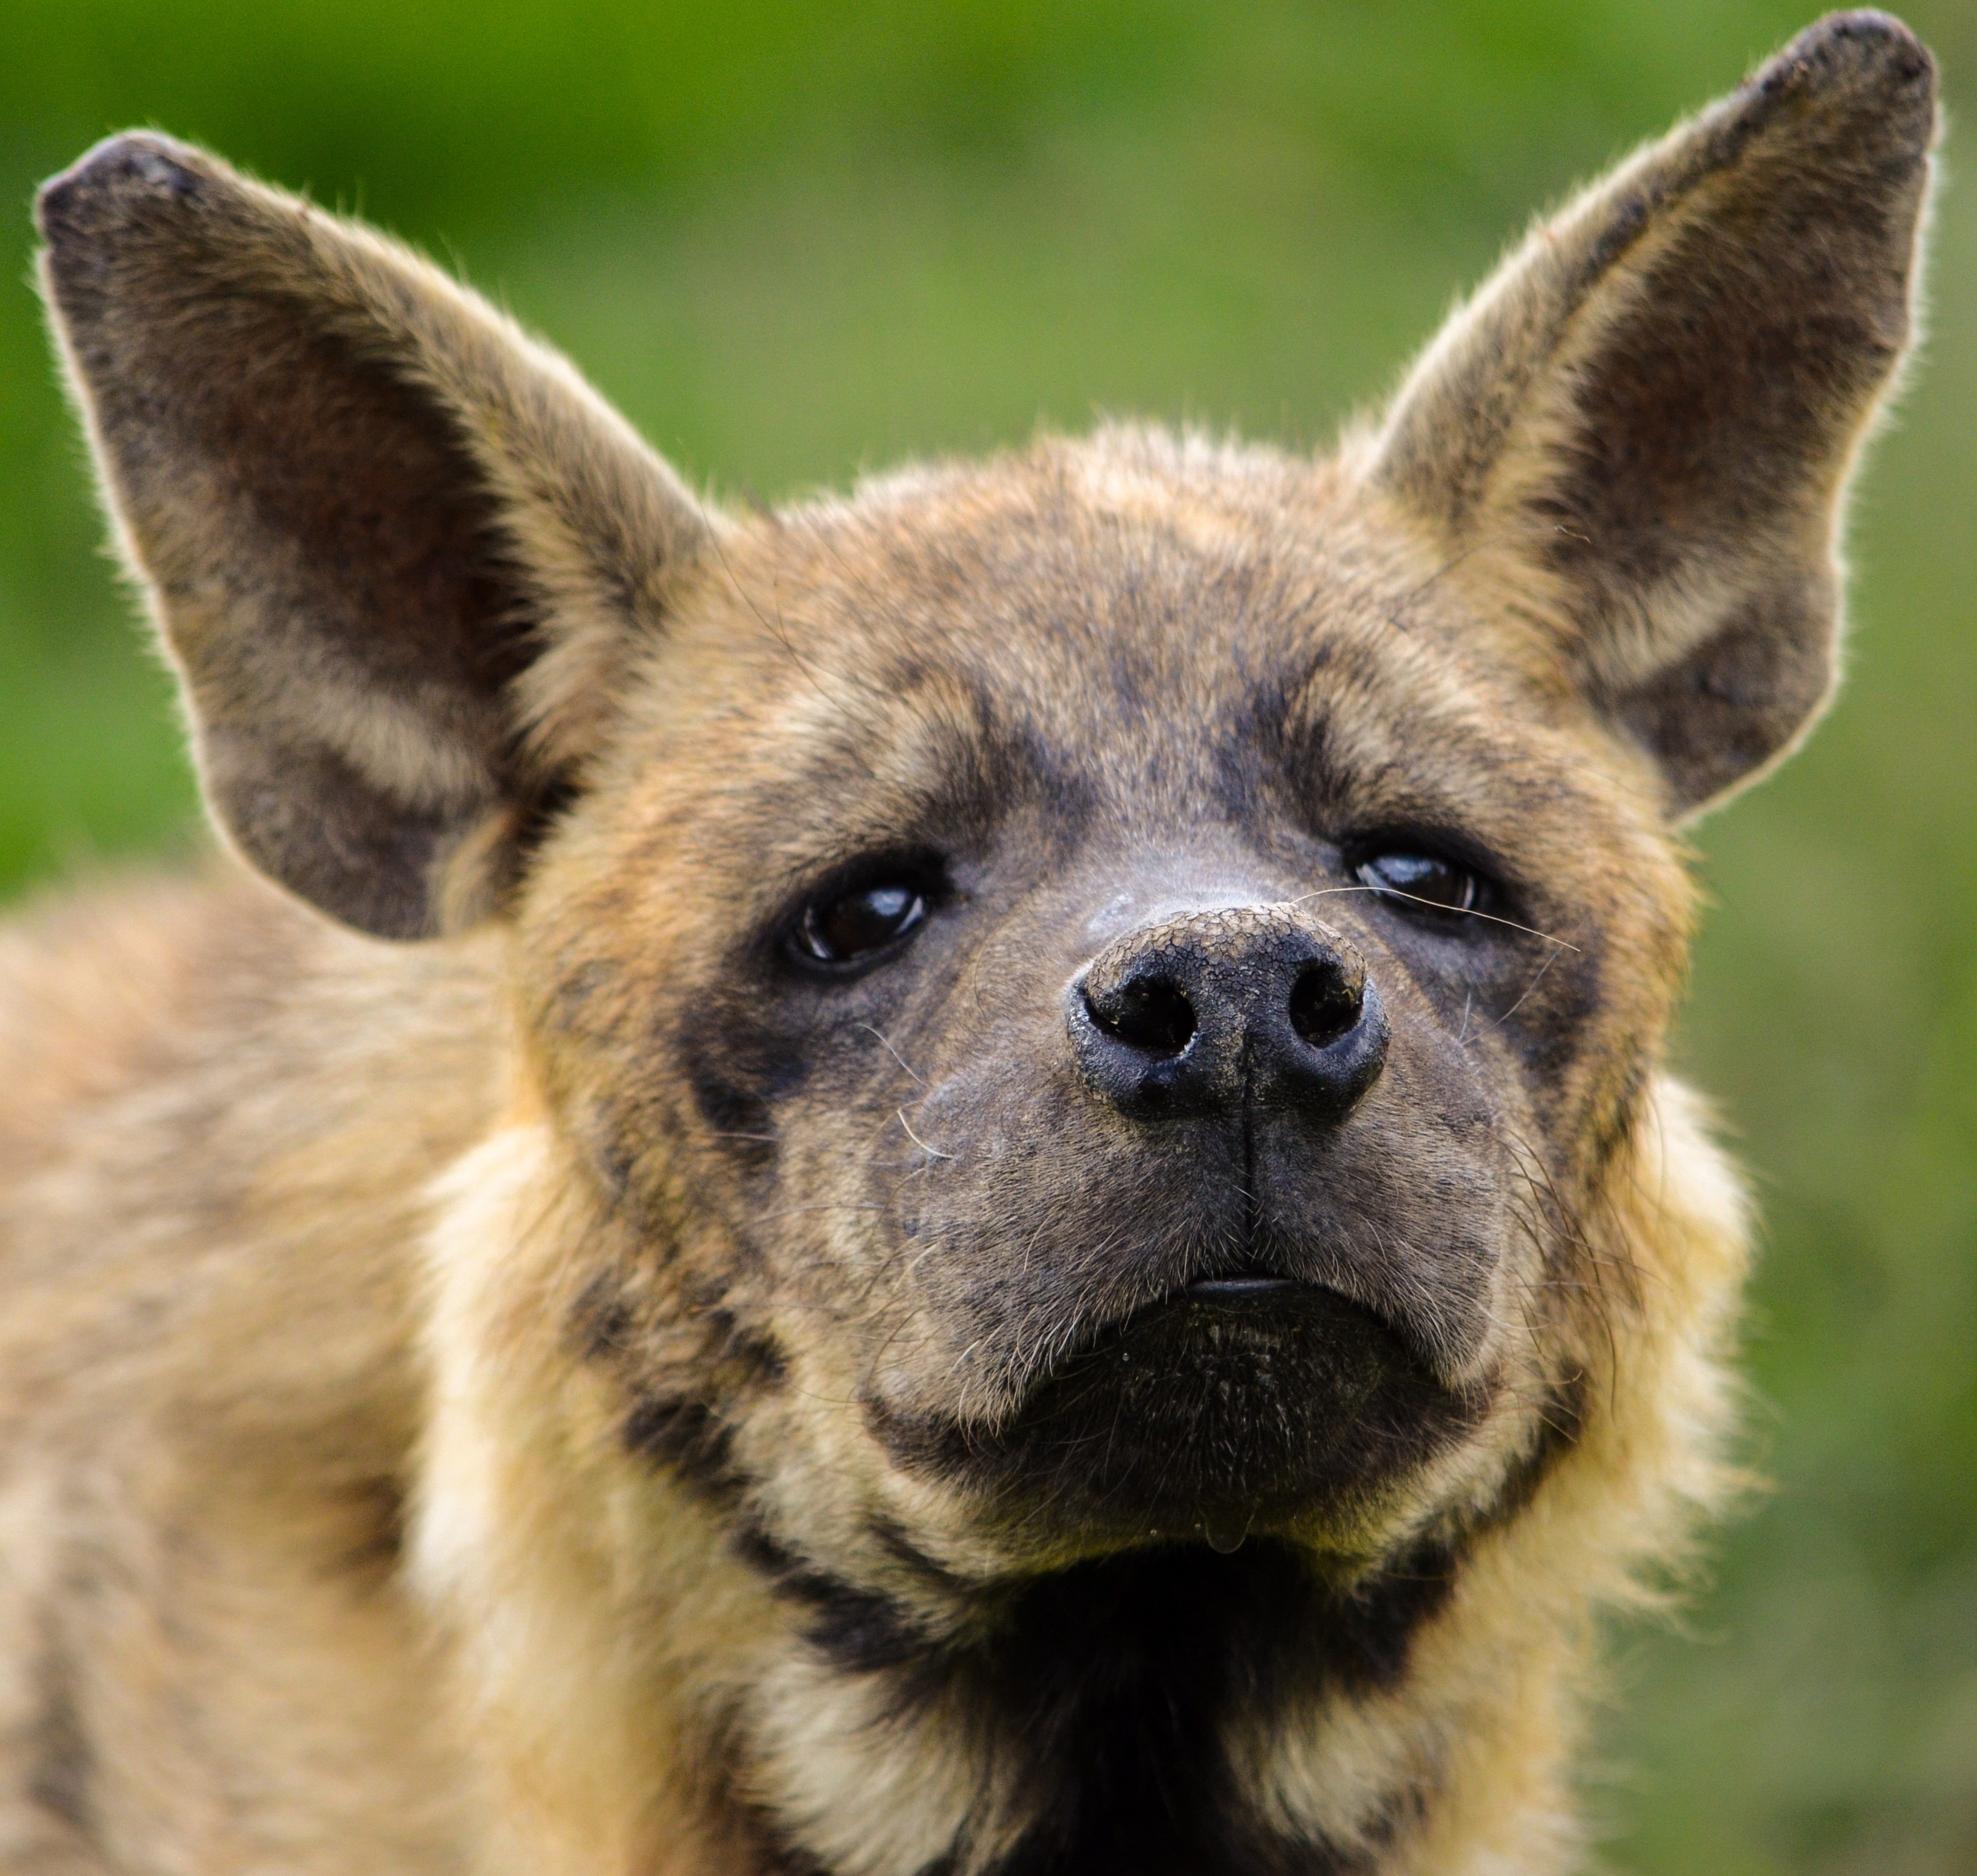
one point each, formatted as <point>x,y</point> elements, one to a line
<point>794,238</point>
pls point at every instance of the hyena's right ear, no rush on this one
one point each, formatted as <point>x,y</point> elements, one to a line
<point>402,556</point>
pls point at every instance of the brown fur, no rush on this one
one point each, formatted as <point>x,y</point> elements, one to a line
<point>593,1392</point>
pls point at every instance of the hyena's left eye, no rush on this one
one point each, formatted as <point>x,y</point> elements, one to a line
<point>1424,880</point>
<point>849,927</point>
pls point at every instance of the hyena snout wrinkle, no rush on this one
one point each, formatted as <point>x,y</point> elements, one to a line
<point>1213,1012</point>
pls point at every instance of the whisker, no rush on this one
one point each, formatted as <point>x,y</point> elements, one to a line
<point>1467,911</point>
<point>931,1152</point>
<point>1449,566</point>
<point>885,1045</point>
<point>1537,978</point>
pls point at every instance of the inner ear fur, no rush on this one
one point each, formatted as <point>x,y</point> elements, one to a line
<point>400,554</point>
<point>1640,432</point>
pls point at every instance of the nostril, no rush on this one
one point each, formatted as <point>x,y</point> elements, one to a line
<point>1324,1004</point>
<point>1152,1015</point>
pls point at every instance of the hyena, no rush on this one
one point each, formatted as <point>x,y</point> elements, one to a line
<point>970,1181</point>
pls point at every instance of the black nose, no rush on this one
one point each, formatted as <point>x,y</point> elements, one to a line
<point>1261,1005</point>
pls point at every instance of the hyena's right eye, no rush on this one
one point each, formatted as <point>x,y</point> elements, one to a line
<point>852,927</point>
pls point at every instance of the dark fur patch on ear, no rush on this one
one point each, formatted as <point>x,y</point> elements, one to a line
<point>1739,698</point>
<point>308,819</point>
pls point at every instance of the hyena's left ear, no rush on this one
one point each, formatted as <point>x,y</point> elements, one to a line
<point>402,556</point>
<point>1640,431</point>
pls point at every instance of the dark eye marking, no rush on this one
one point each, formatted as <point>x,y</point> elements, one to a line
<point>843,927</point>
<point>1430,882</point>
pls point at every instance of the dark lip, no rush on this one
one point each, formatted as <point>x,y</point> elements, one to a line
<point>1246,1287</point>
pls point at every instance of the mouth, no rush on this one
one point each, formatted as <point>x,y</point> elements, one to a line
<point>1244,1400</point>
<point>1255,1287</point>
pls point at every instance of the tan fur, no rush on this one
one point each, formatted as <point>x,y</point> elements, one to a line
<point>553,1398</point>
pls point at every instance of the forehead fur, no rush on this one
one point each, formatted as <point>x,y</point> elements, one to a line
<point>1081,567</point>
<point>1148,628</point>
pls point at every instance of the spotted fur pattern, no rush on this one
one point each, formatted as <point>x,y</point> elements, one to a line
<point>604,1389</point>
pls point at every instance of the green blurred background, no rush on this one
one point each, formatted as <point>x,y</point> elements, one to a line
<point>795,238</point>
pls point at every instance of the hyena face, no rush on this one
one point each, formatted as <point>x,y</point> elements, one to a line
<point>1138,979</point>
<point>1065,1017</point>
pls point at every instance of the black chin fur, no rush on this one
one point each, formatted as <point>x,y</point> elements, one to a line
<point>1114,1684</point>
<point>1122,1677</point>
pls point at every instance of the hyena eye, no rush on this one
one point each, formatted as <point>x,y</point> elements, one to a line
<point>849,927</point>
<point>1424,880</point>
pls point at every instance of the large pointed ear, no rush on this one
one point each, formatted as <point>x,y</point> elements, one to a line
<point>401,555</point>
<point>1640,430</point>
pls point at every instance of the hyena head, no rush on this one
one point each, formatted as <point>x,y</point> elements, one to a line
<point>1094,1007</point>
<point>1116,982</point>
